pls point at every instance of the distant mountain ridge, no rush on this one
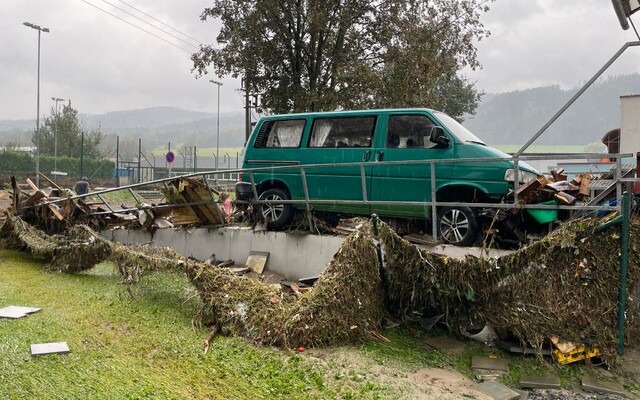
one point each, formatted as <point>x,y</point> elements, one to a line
<point>153,117</point>
<point>504,118</point>
<point>514,117</point>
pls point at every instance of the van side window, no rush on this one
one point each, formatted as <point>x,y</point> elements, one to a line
<point>342,132</point>
<point>409,131</point>
<point>285,133</point>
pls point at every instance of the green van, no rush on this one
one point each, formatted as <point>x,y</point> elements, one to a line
<point>371,137</point>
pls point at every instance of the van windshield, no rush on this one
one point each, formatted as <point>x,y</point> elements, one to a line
<point>462,133</point>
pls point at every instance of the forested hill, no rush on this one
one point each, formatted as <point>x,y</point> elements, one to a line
<point>512,118</point>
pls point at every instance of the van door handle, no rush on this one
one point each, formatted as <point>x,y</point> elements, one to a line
<point>380,156</point>
<point>366,156</point>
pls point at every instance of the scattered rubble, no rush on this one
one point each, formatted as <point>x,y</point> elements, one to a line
<point>187,201</point>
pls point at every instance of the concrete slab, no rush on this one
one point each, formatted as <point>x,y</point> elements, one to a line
<point>540,382</point>
<point>257,261</point>
<point>22,309</point>
<point>524,395</point>
<point>445,344</point>
<point>489,363</point>
<point>49,348</point>
<point>497,391</point>
<point>605,387</point>
<point>11,314</point>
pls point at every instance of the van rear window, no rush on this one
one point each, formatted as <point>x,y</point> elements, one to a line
<point>283,133</point>
<point>342,132</point>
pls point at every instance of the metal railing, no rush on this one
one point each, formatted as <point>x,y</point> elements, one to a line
<point>308,202</point>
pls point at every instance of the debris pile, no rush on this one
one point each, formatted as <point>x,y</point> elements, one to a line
<point>557,187</point>
<point>564,285</point>
<point>187,201</point>
<point>345,304</point>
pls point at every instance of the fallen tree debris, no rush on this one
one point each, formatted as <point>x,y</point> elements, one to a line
<point>563,285</point>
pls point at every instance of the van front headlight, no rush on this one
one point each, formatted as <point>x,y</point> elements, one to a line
<point>525,176</point>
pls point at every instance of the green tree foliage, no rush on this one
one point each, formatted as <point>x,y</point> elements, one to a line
<point>69,130</point>
<point>306,55</point>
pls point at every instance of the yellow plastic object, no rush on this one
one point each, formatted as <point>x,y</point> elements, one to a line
<point>580,352</point>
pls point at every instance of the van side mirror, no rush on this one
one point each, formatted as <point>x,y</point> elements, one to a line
<point>438,137</point>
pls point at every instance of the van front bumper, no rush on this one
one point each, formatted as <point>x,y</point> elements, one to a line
<point>243,191</point>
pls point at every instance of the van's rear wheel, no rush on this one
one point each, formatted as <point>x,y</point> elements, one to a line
<point>276,215</point>
<point>457,225</point>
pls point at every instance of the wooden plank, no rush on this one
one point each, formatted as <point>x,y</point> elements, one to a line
<point>34,198</point>
<point>54,210</point>
<point>16,195</point>
<point>52,183</point>
<point>32,185</point>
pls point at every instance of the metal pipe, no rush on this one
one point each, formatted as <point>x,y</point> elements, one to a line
<point>624,262</point>
<point>434,211</point>
<point>306,198</point>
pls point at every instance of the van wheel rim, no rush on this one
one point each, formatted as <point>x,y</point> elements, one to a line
<point>272,211</point>
<point>454,226</point>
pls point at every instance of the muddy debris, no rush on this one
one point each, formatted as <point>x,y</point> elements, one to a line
<point>563,285</point>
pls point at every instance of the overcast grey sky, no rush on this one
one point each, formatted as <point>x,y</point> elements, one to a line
<point>104,64</point>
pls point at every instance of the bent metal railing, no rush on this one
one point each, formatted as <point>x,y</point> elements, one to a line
<point>618,180</point>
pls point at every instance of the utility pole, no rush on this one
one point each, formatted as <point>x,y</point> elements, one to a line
<point>117,158</point>
<point>139,157</point>
<point>81,152</point>
<point>247,110</point>
<point>55,137</point>
<point>39,29</point>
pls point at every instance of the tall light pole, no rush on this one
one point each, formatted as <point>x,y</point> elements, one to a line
<point>55,138</point>
<point>39,29</point>
<point>217,125</point>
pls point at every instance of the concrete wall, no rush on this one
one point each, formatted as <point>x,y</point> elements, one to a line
<point>292,256</point>
<point>630,124</point>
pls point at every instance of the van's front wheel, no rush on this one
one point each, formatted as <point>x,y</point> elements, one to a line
<point>457,225</point>
<point>276,215</point>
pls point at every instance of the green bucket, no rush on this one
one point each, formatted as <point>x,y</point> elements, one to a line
<point>544,216</point>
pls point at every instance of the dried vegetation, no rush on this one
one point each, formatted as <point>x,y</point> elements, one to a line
<point>563,285</point>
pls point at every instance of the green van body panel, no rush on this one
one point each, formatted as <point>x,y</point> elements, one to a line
<point>409,182</point>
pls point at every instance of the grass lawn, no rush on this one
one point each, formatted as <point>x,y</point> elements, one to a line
<point>139,342</point>
<point>135,345</point>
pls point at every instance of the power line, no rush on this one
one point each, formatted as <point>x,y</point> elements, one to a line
<point>136,26</point>
<point>149,23</point>
<point>157,20</point>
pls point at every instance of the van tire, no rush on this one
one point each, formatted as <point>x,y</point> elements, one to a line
<point>277,216</point>
<point>457,225</point>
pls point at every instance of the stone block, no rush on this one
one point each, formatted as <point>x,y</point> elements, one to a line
<point>595,385</point>
<point>445,344</point>
<point>497,391</point>
<point>489,363</point>
<point>49,348</point>
<point>540,382</point>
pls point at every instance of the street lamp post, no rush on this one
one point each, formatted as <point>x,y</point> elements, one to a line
<point>39,29</point>
<point>55,138</point>
<point>217,125</point>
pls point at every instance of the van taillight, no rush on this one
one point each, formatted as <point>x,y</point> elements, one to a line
<point>240,177</point>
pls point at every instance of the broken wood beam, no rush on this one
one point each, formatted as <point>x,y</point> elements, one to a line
<point>565,198</point>
<point>52,183</point>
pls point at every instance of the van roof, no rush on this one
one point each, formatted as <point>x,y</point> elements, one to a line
<point>346,112</point>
